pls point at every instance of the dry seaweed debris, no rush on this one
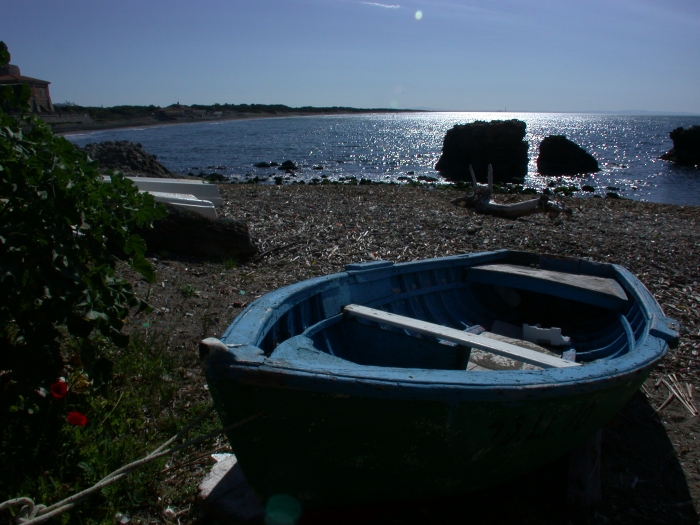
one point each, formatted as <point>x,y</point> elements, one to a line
<point>683,392</point>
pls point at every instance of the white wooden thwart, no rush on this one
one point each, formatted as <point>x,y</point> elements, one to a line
<point>457,336</point>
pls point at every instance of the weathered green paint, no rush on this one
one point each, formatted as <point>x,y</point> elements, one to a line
<point>335,449</point>
<point>356,414</point>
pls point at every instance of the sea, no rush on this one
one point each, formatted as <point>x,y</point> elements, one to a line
<point>404,147</point>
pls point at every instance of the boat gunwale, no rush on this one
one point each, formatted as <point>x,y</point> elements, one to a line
<point>649,348</point>
<point>443,385</point>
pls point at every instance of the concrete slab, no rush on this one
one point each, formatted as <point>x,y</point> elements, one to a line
<point>225,495</point>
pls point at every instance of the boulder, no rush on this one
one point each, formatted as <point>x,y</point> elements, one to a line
<point>127,157</point>
<point>288,165</point>
<point>215,177</point>
<point>560,156</point>
<point>189,233</point>
<point>499,143</point>
<point>686,146</point>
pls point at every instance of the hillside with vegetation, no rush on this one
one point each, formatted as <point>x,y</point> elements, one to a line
<point>121,116</point>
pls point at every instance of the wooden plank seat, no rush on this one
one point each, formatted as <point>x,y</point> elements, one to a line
<point>598,291</point>
<point>459,337</point>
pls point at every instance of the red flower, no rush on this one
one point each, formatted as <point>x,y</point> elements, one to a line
<point>77,419</point>
<point>59,389</point>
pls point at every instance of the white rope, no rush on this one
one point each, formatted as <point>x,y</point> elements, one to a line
<point>36,514</point>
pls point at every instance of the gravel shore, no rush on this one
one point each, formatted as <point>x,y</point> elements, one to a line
<point>651,462</point>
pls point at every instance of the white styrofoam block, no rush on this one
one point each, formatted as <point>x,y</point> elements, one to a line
<point>226,496</point>
<point>547,336</point>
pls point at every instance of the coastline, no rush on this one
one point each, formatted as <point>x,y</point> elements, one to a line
<point>70,129</point>
<point>376,146</point>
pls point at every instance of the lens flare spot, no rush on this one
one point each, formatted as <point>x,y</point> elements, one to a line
<point>282,509</point>
<point>394,104</point>
<point>419,15</point>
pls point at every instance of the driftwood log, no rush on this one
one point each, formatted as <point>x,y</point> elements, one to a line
<point>190,233</point>
<point>481,202</point>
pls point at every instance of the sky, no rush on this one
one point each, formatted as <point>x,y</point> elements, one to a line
<point>456,55</point>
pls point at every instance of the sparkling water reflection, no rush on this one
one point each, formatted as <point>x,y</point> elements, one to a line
<point>396,147</point>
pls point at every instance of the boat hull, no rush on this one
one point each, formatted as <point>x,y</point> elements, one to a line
<point>351,412</point>
<point>332,449</point>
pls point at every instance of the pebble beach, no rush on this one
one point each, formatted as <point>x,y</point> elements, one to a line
<point>651,463</point>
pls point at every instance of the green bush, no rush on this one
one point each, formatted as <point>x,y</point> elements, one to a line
<point>61,231</point>
<point>149,398</point>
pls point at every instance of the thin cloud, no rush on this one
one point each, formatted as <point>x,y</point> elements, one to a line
<point>386,6</point>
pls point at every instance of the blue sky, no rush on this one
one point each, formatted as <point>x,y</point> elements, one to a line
<point>538,55</point>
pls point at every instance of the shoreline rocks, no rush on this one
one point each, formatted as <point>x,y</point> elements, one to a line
<point>499,143</point>
<point>128,157</point>
<point>560,156</point>
<point>686,146</point>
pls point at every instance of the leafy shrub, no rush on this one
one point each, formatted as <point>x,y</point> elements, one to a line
<point>61,231</point>
<point>148,399</point>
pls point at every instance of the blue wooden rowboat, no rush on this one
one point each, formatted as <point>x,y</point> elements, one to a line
<point>368,388</point>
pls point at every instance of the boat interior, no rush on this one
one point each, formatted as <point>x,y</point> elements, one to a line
<point>597,318</point>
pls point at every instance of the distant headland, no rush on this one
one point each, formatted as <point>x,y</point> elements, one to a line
<point>69,117</point>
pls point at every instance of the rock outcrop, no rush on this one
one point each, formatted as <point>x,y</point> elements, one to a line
<point>127,157</point>
<point>686,146</point>
<point>288,165</point>
<point>560,156</point>
<point>499,143</point>
<point>186,232</point>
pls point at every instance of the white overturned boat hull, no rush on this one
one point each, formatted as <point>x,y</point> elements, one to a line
<point>192,194</point>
